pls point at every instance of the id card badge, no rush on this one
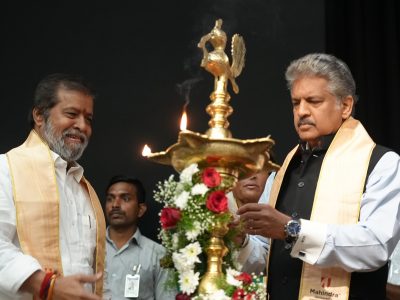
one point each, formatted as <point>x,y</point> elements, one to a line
<point>132,286</point>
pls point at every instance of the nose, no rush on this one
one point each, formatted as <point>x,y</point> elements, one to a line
<point>253,177</point>
<point>302,109</point>
<point>116,203</point>
<point>83,125</point>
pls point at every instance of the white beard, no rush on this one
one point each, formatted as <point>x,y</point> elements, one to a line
<point>56,142</point>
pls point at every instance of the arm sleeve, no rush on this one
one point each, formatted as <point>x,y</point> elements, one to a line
<point>364,246</point>
<point>253,257</point>
<point>15,267</point>
<point>394,268</point>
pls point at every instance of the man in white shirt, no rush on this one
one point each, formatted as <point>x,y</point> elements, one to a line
<point>52,228</point>
<point>254,249</point>
<point>334,204</point>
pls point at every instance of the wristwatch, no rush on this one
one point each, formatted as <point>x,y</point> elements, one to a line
<point>292,230</point>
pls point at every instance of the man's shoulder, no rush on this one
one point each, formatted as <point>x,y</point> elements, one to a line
<point>149,243</point>
<point>381,150</point>
<point>384,162</point>
<point>381,153</point>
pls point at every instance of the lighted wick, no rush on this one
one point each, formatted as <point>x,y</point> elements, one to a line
<point>184,121</point>
<point>146,150</point>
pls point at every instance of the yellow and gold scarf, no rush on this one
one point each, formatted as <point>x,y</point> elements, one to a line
<point>337,201</point>
<point>36,199</point>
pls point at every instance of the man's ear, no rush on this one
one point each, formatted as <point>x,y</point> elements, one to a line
<point>142,209</point>
<point>347,107</point>
<point>37,117</point>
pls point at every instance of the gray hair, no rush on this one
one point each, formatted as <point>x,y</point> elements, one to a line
<point>340,80</point>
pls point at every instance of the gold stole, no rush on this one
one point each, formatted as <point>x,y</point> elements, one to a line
<point>337,201</point>
<point>36,199</point>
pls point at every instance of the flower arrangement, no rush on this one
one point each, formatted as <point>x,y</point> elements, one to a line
<point>192,207</point>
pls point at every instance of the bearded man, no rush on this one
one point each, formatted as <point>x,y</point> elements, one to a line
<point>52,228</point>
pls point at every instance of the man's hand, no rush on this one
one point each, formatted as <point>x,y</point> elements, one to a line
<point>71,287</point>
<point>392,292</point>
<point>240,233</point>
<point>263,219</point>
<point>65,288</point>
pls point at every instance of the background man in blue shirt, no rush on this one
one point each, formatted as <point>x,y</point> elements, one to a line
<point>128,251</point>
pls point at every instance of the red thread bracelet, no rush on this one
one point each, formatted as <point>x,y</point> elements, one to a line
<point>44,287</point>
<point>51,287</point>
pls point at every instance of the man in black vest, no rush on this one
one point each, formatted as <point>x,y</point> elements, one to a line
<point>334,205</point>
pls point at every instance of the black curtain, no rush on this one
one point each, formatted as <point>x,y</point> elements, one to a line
<point>366,35</point>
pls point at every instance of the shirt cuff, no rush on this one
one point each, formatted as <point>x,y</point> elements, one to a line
<point>245,250</point>
<point>311,241</point>
<point>19,271</point>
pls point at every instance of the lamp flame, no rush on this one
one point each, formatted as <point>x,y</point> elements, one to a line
<point>146,150</point>
<point>184,121</point>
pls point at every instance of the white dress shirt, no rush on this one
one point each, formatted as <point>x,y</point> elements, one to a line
<point>253,255</point>
<point>77,230</point>
<point>394,269</point>
<point>364,246</point>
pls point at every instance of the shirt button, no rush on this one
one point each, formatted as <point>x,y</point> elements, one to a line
<point>300,184</point>
<point>284,280</point>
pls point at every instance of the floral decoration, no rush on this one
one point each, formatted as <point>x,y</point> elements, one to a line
<point>192,206</point>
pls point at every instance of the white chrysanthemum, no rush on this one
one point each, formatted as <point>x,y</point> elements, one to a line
<point>189,281</point>
<point>199,189</point>
<point>191,252</point>
<point>192,234</point>
<point>180,262</point>
<point>187,173</point>
<point>230,277</point>
<point>182,200</point>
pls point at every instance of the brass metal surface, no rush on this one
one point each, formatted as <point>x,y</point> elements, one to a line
<point>215,253</point>
<point>243,157</point>
<point>232,158</point>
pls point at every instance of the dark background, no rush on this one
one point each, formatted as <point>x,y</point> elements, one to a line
<point>137,56</point>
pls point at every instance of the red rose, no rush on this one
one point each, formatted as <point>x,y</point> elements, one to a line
<point>238,294</point>
<point>250,296</point>
<point>211,177</point>
<point>169,217</point>
<point>245,278</point>
<point>217,202</point>
<point>182,296</point>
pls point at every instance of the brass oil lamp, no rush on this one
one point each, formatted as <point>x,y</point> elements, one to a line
<point>232,158</point>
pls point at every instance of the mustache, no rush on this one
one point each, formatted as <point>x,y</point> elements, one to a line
<point>75,132</point>
<point>116,212</point>
<point>305,122</point>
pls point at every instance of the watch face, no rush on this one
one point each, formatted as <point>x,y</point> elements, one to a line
<point>293,228</point>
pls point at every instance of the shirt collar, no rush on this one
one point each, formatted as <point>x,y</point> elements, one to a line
<point>76,170</point>
<point>136,238</point>
<point>324,144</point>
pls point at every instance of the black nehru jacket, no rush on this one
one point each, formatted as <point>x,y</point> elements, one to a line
<point>296,196</point>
